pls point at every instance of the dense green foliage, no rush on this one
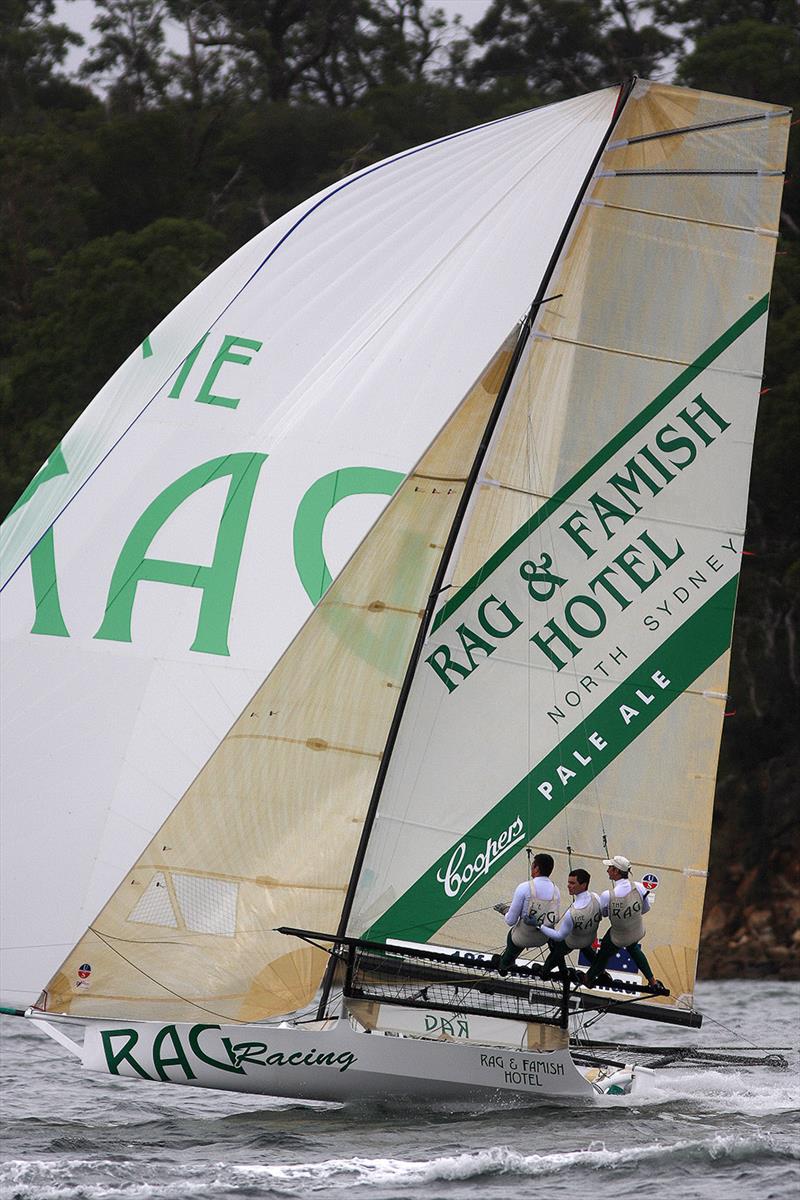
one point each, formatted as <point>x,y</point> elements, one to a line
<point>121,188</point>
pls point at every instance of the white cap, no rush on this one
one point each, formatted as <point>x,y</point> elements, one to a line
<point>619,861</point>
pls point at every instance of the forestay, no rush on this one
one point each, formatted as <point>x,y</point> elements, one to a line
<point>572,686</point>
<point>169,551</point>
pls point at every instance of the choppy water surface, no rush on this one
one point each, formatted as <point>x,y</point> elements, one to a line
<point>700,1133</point>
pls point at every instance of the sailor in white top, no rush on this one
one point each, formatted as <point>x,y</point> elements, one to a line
<point>533,903</point>
<point>625,905</point>
<point>578,928</point>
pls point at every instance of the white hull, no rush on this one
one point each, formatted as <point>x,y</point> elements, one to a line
<point>326,1061</point>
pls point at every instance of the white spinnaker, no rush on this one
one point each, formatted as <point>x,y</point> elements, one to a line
<point>341,338</point>
<point>662,313</point>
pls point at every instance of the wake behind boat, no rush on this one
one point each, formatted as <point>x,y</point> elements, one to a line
<point>410,539</point>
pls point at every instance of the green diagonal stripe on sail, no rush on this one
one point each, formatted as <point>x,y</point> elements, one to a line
<point>655,406</point>
<point>680,660</point>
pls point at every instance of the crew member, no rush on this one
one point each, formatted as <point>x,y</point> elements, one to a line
<point>578,927</point>
<point>625,904</point>
<point>533,903</point>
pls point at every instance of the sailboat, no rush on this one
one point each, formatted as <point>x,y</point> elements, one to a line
<point>406,545</point>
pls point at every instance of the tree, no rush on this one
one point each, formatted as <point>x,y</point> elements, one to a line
<point>140,166</point>
<point>32,46</point>
<point>119,288</point>
<point>44,189</point>
<point>275,44</point>
<point>328,50</point>
<point>699,17</point>
<point>559,48</point>
<point>751,58</point>
<point>399,41</point>
<point>129,55</point>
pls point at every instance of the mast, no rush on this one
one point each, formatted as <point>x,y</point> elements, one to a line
<point>539,300</point>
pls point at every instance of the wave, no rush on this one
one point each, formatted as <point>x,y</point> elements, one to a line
<point>92,1179</point>
<point>749,1093</point>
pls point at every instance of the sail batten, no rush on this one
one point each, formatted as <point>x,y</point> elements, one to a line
<point>773,233</point>
<point>683,129</point>
<point>654,358</point>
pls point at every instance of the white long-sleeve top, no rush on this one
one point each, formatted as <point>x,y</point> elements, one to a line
<point>621,888</point>
<point>543,889</point>
<point>582,900</point>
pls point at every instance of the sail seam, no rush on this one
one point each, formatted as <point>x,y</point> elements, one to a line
<point>737,530</point>
<point>439,478</point>
<point>253,880</point>
<point>594,464</point>
<point>376,606</point>
<point>315,744</point>
<point>294,884</point>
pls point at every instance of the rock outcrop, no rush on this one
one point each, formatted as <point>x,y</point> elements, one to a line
<point>751,922</point>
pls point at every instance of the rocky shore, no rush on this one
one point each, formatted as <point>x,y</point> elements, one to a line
<point>751,921</point>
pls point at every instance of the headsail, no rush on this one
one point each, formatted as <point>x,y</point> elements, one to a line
<point>267,833</point>
<point>572,686</point>
<point>170,550</point>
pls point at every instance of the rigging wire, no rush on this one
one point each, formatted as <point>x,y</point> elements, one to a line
<point>745,1041</point>
<point>604,1012</point>
<point>229,1020</point>
<point>471,912</point>
<point>184,999</point>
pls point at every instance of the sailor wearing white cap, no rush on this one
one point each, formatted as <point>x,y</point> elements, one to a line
<point>625,905</point>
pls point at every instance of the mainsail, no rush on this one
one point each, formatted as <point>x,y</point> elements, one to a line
<point>570,688</point>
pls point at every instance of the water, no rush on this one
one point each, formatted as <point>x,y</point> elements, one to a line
<point>69,1135</point>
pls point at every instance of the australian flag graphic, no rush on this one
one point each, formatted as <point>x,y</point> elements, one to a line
<point>621,961</point>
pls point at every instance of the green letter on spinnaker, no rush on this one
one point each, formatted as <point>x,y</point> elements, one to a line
<point>43,556</point>
<point>312,513</point>
<point>218,581</point>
